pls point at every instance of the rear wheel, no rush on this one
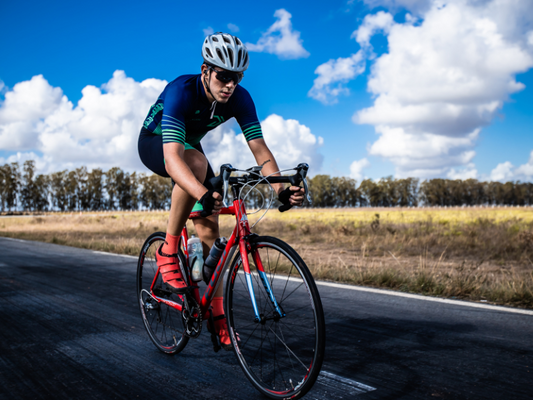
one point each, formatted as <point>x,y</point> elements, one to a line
<point>281,356</point>
<point>164,324</point>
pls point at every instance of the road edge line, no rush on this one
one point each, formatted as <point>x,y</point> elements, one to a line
<point>426,298</point>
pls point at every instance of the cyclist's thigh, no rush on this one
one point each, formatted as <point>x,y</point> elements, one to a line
<point>151,153</point>
<point>197,162</point>
<point>210,174</point>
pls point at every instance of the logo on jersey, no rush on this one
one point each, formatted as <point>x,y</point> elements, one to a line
<point>219,120</point>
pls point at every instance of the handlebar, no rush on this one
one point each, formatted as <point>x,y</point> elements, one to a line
<point>224,179</point>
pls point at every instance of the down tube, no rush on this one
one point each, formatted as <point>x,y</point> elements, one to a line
<point>266,282</point>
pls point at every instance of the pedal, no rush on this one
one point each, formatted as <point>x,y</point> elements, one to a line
<point>150,305</point>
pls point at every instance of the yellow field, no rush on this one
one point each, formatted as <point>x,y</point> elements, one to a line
<point>472,253</point>
<point>407,215</point>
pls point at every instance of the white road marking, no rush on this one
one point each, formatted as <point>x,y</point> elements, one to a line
<point>415,296</point>
<point>427,298</point>
<point>114,254</point>
<point>339,384</point>
<point>16,240</point>
<point>372,290</point>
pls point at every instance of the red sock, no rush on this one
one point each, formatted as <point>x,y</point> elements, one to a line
<point>218,306</point>
<point>171,244</point>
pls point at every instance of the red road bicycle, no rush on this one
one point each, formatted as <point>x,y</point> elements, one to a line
<point>273,308</point>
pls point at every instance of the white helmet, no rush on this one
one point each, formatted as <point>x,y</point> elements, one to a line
<point>225,51</point>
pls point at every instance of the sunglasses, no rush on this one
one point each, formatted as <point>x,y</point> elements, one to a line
<point>227,76</point>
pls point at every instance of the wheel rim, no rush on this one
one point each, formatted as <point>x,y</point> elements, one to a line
<point>164,324</point>
<point>277,355</point>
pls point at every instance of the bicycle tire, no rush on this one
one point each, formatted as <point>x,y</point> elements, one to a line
<point>164,324</point>
<point>282,359</point>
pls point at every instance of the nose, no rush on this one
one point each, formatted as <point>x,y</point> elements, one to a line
<point>230,84</point>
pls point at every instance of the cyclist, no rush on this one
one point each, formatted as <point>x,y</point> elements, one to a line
<point>169,145</point>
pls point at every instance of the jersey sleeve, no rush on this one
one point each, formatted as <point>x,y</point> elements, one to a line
<point>246,116</point>
<point>173,121</point>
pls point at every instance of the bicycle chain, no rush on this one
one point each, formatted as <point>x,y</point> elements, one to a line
<point>193,325</point>
<point>189,321</point>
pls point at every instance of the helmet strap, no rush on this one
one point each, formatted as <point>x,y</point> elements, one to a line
<point>207,86</point>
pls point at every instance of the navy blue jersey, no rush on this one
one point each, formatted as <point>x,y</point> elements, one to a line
<point>183,114</point>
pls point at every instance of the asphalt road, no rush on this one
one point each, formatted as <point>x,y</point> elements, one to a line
<point>70,329</point>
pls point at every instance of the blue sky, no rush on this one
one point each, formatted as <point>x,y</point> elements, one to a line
<point>442,102</point>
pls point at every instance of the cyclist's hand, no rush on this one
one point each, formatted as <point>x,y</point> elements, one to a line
<point>211,203</point>
<point>291,196</point>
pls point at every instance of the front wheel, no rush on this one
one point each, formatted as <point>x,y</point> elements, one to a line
<point>164,324</point>
<point>281,356</point>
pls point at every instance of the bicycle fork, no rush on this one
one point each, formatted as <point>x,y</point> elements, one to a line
<point>278,312</point>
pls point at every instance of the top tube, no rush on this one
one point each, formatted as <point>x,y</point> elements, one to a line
<point>224,210</point>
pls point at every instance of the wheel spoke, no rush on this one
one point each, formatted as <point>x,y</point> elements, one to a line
<point>281,355</point>
<point>163,323</point>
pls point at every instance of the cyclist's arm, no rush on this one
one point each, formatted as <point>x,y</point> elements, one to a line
<point>263,155</point>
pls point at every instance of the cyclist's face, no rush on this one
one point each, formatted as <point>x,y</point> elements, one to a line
<point>220,91</point>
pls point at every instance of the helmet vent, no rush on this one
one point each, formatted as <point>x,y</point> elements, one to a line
<point>231,57</point>
<point>225,51</point>
<point>221,56</point>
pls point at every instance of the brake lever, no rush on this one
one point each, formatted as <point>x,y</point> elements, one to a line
<point>306,188</point>
<point>302,169</point>
<point>225,171</point>
<point>255,170</point>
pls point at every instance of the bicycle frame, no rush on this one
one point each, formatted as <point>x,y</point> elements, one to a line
<point>240,237</point>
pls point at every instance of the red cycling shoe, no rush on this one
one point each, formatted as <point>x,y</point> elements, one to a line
<point>221,327</point>
<point>170,271</point>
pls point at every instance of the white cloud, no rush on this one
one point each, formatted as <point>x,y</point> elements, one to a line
<point>101,131</point>
<point>356,169</point>
<point>334,74</point>
<point>469,172</point>
<point>372,24</point>
<point>422,155</point>
<point>290,142</point>
<point>24,109</point>
<point>442,80</point>
<point>506,171</point>
<point>415,6</point>
<point>208,31</point>
<point>280,39</point>
<point>234,28</point>
<point>503,172</point>
<point>526,170</point>
<point>337,71</point>
<point>20,158</point>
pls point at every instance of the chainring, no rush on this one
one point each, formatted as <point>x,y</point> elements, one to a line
<point>192,316</point>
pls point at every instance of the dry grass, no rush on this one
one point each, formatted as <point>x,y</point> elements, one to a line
<point>475,254</point>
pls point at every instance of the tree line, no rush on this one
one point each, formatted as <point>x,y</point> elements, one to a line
<point>82,190</point>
